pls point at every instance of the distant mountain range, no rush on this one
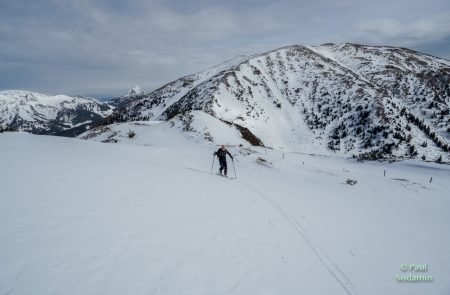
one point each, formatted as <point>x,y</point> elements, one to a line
<point>56,114</point>
<point>370,101</point>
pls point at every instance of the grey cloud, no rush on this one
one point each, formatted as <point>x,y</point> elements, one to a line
<point>102,46</point>
<point>408,33</point>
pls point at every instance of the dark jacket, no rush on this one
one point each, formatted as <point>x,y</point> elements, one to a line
<point>222,154</point>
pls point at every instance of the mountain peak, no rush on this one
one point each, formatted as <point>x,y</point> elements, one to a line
<point>338,97</point>
<point>136,90</point>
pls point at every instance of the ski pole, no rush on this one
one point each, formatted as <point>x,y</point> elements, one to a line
<point>235,176</point>
<point>213,163</point>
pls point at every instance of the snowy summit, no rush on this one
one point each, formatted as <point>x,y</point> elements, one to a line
<point>135,91</point>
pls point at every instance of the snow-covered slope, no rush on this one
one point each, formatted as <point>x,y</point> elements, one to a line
<point>418,82</point>
<point>92,218</point>
<point>147,133</point>
<point>157,102</point>
<point>49,114</point>
<point>322,98</point>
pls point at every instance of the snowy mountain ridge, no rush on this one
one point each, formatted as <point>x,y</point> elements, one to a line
<point>341,98</point>
<point>49,114</point>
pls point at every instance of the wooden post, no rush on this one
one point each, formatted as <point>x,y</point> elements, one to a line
<point>431,179</point>
<point>384,173</point>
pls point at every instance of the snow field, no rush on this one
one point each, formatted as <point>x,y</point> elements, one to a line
<point>83,217</point>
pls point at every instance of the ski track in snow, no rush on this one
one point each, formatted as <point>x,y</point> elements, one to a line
<point>239,281</point>
<point>335,271</point>
<point>209,173</point>
<point>12,281</point>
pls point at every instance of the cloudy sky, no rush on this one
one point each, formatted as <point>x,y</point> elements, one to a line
<point>102,47</point>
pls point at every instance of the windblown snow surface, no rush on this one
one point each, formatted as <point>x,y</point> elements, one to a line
<point>85,217</point>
